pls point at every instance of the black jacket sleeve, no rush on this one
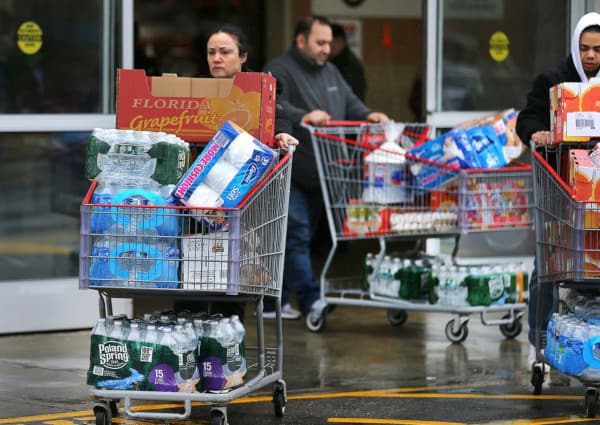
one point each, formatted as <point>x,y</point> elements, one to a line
<point>536,114</point>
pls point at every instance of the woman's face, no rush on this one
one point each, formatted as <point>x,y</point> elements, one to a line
<point>223,55</point>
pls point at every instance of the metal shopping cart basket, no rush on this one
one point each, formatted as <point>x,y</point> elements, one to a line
<point>212,254</point>
<point>428,200</point>
<point>567,254</point>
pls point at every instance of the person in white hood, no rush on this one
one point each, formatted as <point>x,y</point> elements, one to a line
<point>533,124</point>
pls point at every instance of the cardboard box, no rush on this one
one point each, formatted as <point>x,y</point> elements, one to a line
<point>195,108</point>
<point>583,176</point>
<point>574,112</point>
<point>205,262</point>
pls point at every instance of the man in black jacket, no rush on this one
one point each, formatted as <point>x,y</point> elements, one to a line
<point>347,63</point>
<point>533,124</point>
<point>313,91</point>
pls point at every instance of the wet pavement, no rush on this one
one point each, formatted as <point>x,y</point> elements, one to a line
<point>359,370</point>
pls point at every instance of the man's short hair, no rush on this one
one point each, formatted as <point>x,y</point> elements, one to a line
<point>304,26</point>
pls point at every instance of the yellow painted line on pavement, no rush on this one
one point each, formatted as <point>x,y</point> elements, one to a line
<point>383,393</point>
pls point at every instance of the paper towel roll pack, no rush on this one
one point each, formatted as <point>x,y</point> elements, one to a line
<point>229,166</point>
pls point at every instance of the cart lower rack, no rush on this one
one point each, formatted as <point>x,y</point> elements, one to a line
<point>567,253</point>
<point>374,191</point>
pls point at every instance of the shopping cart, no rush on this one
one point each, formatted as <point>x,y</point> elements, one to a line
<point>211,255</point>
<point>428,199</point>
<point>567,253</point>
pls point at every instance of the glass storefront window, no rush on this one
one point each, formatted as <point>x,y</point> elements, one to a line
<point>492,50</point>
<point>52,56</point>
<point>42,187</point>
<point>170,37</point>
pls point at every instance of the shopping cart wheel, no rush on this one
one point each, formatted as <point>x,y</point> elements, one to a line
<point>279,401</point>
<point>456,336</point>
<point>511,330</point>
<point>591,401</point>
<point>396,317</point>
<point>537,378</point>
<point>315,321</point>
<point>217,417</point>
<point>114,407</point>
<point>102,413</point>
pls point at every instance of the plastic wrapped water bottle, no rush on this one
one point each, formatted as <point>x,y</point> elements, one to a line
<point>135,333</point>
<point>117,330</point>
<point>100,328</point>
<point>151,335</point>
<point>238,328</point>
<point>168,339</point>
<point>551,350</point>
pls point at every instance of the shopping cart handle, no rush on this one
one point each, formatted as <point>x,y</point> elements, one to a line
<point>340,123</point>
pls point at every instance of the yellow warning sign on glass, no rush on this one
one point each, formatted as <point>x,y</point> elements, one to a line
<point>29,38</point>
<point>499,46</point>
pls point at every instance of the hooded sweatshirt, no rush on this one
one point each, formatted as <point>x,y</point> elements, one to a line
<point>536,114</point>
<point>587,20</point>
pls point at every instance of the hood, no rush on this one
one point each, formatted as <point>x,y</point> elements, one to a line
<point>586,20</point>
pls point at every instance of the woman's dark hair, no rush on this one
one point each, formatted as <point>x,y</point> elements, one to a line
<point>238,35</point>
<point>305,25</point>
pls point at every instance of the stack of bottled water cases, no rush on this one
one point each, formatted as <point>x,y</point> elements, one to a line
<point>435,280</point>
<point>135,247</point>
<point>168,352</point>
<point>573,337</point>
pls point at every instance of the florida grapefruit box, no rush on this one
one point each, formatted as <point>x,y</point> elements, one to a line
<point>195,108</point>
<point>574,112</point>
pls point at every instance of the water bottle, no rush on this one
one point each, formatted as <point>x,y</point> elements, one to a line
<point>404,276</point>
<point>116,330</point>
<point>190,334</point>
<point>579,336</point>
<point>211,366</point>
<point>135,334</point>
<point>168,339</point>
<point>394,278</point>
<point>238,328</point>
<point>562,333</point>
<point>100,328</point>
<point>235,368</point>
<point>151,335</point>
<point>199,325</point>
<point>551,350</point>
<point>367,274</point>
<point>442,292</point>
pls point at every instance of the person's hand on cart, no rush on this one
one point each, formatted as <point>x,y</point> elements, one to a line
<point>285,140</point>
<point>317,118</point>
<point>377,117</point>
<point>541,138</point>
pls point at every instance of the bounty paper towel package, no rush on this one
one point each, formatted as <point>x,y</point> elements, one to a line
<point>226,170</point>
